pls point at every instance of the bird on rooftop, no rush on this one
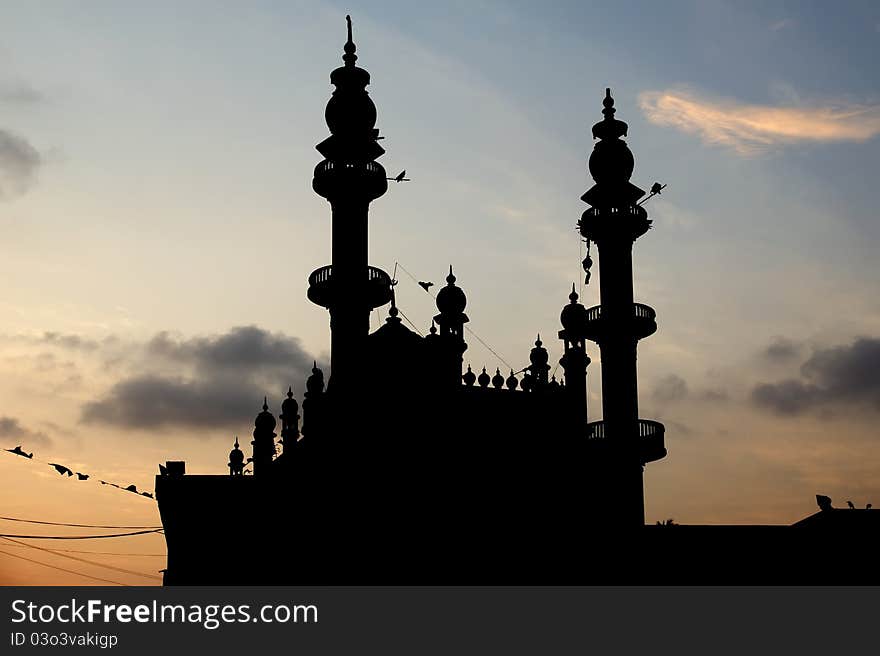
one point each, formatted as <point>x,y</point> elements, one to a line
<point>61,469</point>
<point>868,507</point>
<point>131,488</point>
<point>425,285</point>
<point>147,494</point>
<point>82,477</point>
<point>17,451</point>
<point>851,505</point>
<point>401,177</point>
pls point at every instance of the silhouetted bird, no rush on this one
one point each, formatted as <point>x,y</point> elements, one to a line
<point>425,285</point>
<point>401,177</point>
<point>851,505</point>
<point>868,507</point>
<point>656,188</point>
<point>17,451</point>
<point>147,494</point>
<point>82,477</point>
<point>131,488</point>
<point>61,469</point>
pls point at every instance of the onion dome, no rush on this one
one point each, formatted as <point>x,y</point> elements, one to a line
<point>497,379</point>
<point>469,377</point>
<point>574,316</point>
<point>289,407</point>
<point>538,355</point>
<point>236,456</point>
<point>451,299</point>
<point>315,382</point>
<point>265,421</point>
<point>512,382</point>
<point>527,383</point>
<point>483,379</point>
<point>611,162</point>
<point>554,384</point>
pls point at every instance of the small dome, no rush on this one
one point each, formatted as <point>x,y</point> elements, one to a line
<point>527,383</point>
<point>469,377</point>
<point>512,382</point>
<point>574,316</point>
<point>315,382</point>
<point>539,355</point>
<point>265,421</point>
<point>236,456</point>
<point>289,407</point>
<point>483,378</point>
<point>451,299</point>
<point>611,161</point>
<point>497,379</point>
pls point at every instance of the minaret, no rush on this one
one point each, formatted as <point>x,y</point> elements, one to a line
<point>451,302</point>
<point>614,221</point>
<point>264,440</point>
<point>575,360</point>
<point>289,422</point>
<point>350,179</point>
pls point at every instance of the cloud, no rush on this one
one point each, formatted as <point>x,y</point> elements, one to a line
<point>217,381</point>
<point>670,388</point>
<point>750,129</point>
<point>782,24</point>
<point>11,428</point>
<point>19,163</point>
<point>20,93</point>
<point>836,376</point>
<point>714,394</point>
<point>782,349</point>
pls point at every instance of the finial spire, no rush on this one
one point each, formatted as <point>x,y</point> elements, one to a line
<point>451,277</point>
<point>349,57</point>
<point>290,392</point>
<point>265,403</point>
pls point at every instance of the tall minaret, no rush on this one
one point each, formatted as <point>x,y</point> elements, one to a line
<point>350,179</point>
<point>614,222</point>
<point>575,360</point>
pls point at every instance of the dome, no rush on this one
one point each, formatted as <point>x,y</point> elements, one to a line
<point>315,382</point>
<point>265,421</point>
<point>483,378</point>
<point>539,355</point>
<point>350,110</point>
<point>574,316</point>
<point>236,456</point>
<point>512,382</point>
<point>451,299</point>
<point>497,379</point>
<point>469,377</point>
<point>611,161</point>
<point>289,407</point>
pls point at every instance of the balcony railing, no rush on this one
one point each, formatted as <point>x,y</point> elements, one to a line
<point>334,178</point>
<point>644,322</point>
<point>651,435</point>
<point>598,223</point>
<point>322,290</point>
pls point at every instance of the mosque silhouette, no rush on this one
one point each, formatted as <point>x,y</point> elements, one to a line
<point>408,468</point>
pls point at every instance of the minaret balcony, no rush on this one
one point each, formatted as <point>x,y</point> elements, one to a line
<point>324,292</point>
<point>600,223</point>
<point>651,435</point>
<point>642,323</point>
<point>363,180</point>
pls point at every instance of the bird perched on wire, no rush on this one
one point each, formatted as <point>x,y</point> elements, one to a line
<point>425,285</point>
<point>61,469</point>
<point>656,188</point>
<point>82,477</point>
<point>131,488</point>
<point>400,177</point>
<point>147,494</point>
<point>17,451</point>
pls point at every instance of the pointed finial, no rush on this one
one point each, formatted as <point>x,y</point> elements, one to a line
<point>349,57</point>
<point>451,277</point>
<point>573,297</point>
<point>265,403</point>
<point>236,441</point>
<point>433,327</point>
<point>290,392</point>
<point>607,103</point>
<point>538,341</point>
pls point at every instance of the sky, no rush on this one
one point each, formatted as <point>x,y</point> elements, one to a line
<point>157,228</point>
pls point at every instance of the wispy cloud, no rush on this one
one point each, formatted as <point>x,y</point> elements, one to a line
<point>750,129</point>
<point>782,24</point>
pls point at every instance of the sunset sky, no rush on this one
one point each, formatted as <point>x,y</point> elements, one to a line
<point>157,227</point>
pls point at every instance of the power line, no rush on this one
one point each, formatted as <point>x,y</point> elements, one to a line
<point>34,521</point>
<point>88,562</point>
<point>77,537</point>
<point>467,328</point>
<point>63,569</point>
<point>100,553</point>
